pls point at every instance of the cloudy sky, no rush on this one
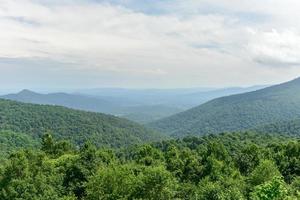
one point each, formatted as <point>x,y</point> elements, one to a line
<point>148,43</point>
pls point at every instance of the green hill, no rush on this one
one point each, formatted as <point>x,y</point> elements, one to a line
<point>76,126</point>
<point>291,128</point>
<point>237,112</point>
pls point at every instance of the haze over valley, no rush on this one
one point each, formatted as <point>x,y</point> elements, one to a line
<point>141,105</point>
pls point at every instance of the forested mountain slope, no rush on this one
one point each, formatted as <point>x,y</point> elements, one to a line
<point>291,128</point>
<point>76,126</point>
<point>236,112</point>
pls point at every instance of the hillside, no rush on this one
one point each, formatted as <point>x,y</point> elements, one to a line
<point>74,125</point>
<point>236,112</point>
<point>291,128</point>
<point>118,106</point>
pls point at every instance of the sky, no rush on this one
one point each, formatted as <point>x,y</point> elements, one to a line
<point>148,43</point>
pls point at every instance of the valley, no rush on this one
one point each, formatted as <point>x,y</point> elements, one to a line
<point>149,100</point>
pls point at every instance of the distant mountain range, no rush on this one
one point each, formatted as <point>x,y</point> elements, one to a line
<point>184,98</point>
<point>236,112</point>
<point>75,101</point>
<point>142,106</point>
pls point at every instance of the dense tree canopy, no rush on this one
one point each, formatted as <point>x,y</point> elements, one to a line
<point>76,126</point>
<point>217,167</point>
<point>11,141</point>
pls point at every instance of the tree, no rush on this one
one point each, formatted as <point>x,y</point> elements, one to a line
<point>248,159</point>
<point>77,173</point>
<point>148,155</point>
<point>272,190</point>
<point>113,182</point>
<point>174,163</point>
<point>156,183</point>
<point>48,143</point>
<point>264,172</point>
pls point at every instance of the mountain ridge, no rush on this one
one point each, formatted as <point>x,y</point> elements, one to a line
<point>236,112</point>
<point>142,106</point>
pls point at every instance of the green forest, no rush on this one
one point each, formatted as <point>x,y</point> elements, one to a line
<point>76,126</point>
<point>228,166</point>
<point>244,111</point>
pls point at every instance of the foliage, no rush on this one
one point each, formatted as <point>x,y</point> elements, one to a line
<point>11,141</point>
<point>290,127</point>
<point>73,125</point>
<point>236,112</point>
<point>272,190</point>
<point>211,167</point>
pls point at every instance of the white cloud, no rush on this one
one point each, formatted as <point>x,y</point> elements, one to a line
<point>191,43</point>
<point>276,48</point>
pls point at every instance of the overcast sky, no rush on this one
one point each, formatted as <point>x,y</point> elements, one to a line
<point>148,43</point>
